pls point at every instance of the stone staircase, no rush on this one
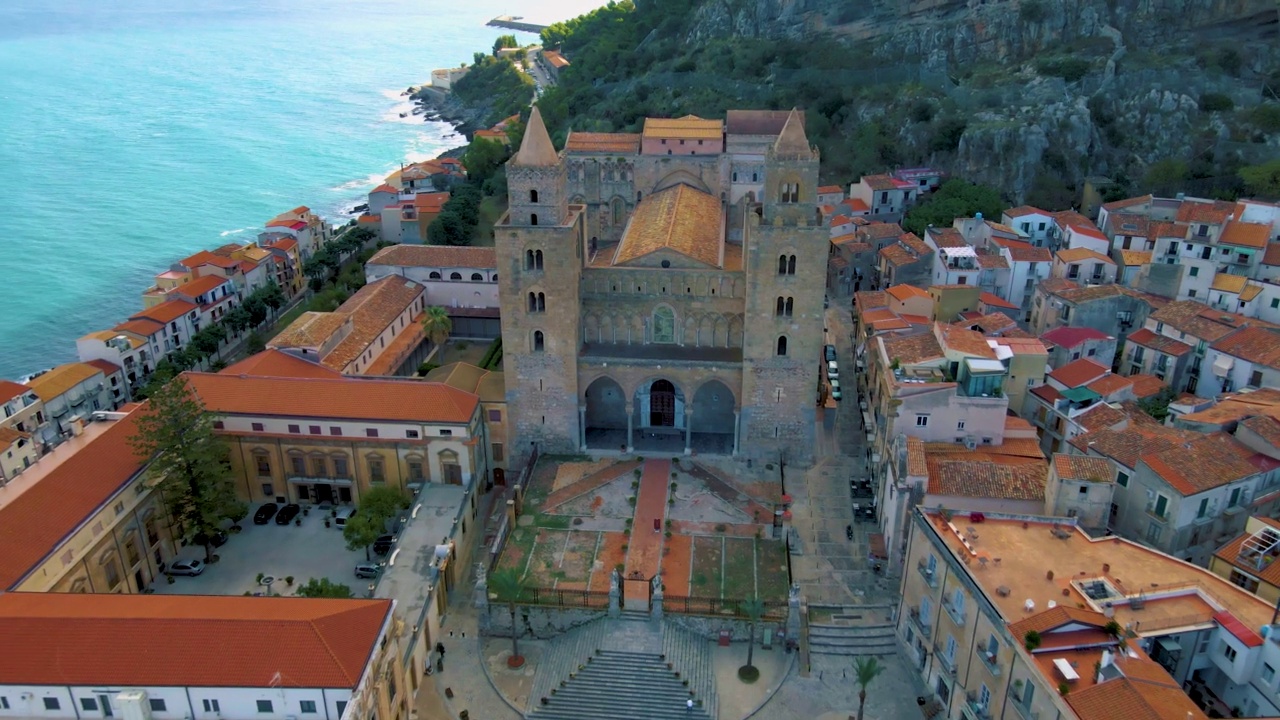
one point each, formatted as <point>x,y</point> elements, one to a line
<point>852,640</point>
<point>626,669</point>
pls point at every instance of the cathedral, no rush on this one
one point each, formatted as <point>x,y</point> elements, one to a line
<point>663,291</point>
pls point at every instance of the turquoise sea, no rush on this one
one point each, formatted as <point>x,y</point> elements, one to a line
<point>135,132</point>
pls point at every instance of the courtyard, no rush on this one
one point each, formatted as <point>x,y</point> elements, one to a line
<point>706,535</point>
<point>301,552</point>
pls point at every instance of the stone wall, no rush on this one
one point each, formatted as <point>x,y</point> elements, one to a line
<point>541,622</point>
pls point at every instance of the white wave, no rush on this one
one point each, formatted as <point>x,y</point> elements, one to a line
<point>237,231</point>
<point>371,181</point>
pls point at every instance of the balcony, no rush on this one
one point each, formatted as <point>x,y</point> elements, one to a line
<point>948,664</point>
<point>956,614</point>
<point>1024,710</point>
<point>991,662</point>
<point>974,708</point>
<point>1159,515</point>
<point>921,622</point>
<point>929,574</point>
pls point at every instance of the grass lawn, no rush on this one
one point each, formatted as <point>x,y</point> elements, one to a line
<point>739,568</point>
<point>771,570</point>
<point>491,208</point>
<point>707,567</point>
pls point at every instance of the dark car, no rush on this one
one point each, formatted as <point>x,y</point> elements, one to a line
<point>829,352</point>
<point>288,513</point>
<point>383,544</point>
<point>265,513</point>
<point>217,539</point>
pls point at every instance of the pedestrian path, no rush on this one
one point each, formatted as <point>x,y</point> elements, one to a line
<point>645,551</point>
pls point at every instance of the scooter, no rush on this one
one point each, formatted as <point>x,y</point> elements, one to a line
<point>848,531</point>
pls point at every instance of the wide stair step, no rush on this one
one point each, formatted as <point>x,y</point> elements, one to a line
<point>620,685</point>
<point>852,640</point>
<point>690,654</point>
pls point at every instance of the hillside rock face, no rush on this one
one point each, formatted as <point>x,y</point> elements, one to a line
<point>1022,122</point>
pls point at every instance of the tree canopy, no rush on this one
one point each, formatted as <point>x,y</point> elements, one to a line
<point>379,506</point>
<point>482,159</point>
<point>504,41</point>
<point>324,588</point>
<point>1263,180</point>
<point>189,462</point>
<point>956,198</point>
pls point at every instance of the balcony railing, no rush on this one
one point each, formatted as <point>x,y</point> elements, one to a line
<point>1161,515</point>
<point>976,709</point>
<point>922,623</point>
<point>948,663</point>
<point>929,574</point>
<point>991,662</point>
<point>956,614</point>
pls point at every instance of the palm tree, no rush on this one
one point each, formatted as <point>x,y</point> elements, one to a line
<point>508,586</point>
<point>437,326</point>
<point>866,669</point>
<point>753,609</point>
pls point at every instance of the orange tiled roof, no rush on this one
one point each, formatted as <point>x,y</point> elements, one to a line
<point>1023,210</point>
<point>902,293</point>
<point>829,189</point>
<point>1160,343</point>
<point>856,205</point>
<point>613,143</point>
<point>987,298</point>
<point>276,363</point>
<point>1135,257</point>
<point>1214,212</point>
<point>336,398</point>
<point>1101,415</point>
<point>681,219</point>
<point>1161,229</point>
<point>1252,235</point>
<point>1056,286</point>
<point>1268,428</point>
<point>867,299</point>
<point>965,341</point>
<point>36,521</point>
<point>1026,252</point>
<point>1268,572</point>
<point>1129,224</point>
<point>1108,385</point>
<point>881,231</point>
<point>1079,372</point>
<point>204,257</point>
<point>166,312</point>
<point>1071,255</point>
<point>1056,617</point>
<point>59,380</point>
<point>1207,462</point>
<point>1254,344</point>
<point>9,436</point>
<point>309,330</point>
<point>879,182</point>
<point>277,642</point>
<point>1145,385</point>
<point>898,256</point>
<point>1193,318</point>
<point>441,256</point>
<point>107,368</point>
<point>201,285</point>
<point>1082,467</point>
<point>975,475</point>
<point>913,349</point>
<point>372,309</point>
<point>140,326</point>
<point>946,237</point>
<point>988,261</point>
<point>10,390</point>
<point>1133,700</point>
<point>1229,283</point>
<point>1130,202</point>
<point>689,127</point>
<point>1272,256</point>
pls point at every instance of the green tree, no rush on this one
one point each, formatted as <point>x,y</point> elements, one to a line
<point>448,229</point>
<point>508,586</point>
<point>189,462</point>
<point>754,610</point>
<point>437,326</point>
<point>237,318</point>
<point>866,670</point>
<point>256,343</point>
<point>956,198</point>
<point>361,531</point>
<point>324,588</point>
<point>236,512</point>
<point>483,158</point>
<point>1165,177</point>
<point>504,41</point>
<point>378,507</point>
<point>1157,406</point>
<point>1262,180</point>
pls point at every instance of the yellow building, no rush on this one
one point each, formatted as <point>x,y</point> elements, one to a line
<point>491,388</point>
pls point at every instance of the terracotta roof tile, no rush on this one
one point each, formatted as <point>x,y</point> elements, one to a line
<point>1090,294</point>
<point>903,293</point>
<point>1229,283</point>
<point>689,127</point>
<point>913,349</point>
<point>1128,224</point>
<point>372,310</point>
<point>336,398</point>
<point>987,261</point>
<point>1056,286</point>
<point>946,237</point>
<point>881,231</point>
<point>879,182</point>
<point>10,390</point>
<point>36,521</point>
<point>1254,344</point>
<point>1214,212</point>
<point>204,257</point>
<point>917,462</point>
<point>1272,256</point>
<point>1056,617</point>
<point>442,256</point>
<point>1023,210</point>
<point>1079,372</point>
<point>1160,229</point>
<point>1129,202</point>
<point>679,218</point>
<point>9,436</point>
<point>1243,234</point>
<point>1133,700</point>
<point>956,475</point>
<point>1268,428</point>
<point>1211,461</point>
<point>1071,255</point>
<point>898,256</point>
<point>278,642</point>
<point>275,363</point>
<point>140,326</point>
<point>987,298</point>
<point>1251,561</point>
<point>989,324</point>
<point>166,312</point>
<point>756,122</point>
<point>1159,343</point>
<point>1069,337</point>
<point>1130,258</point>
<point>1145,385</point>
<point>309,330</point>
<point>1193,318</point>
<point>964,340</point>
<point>1250,291</point>
<point>869,299</point>
<point>1108,385</point>
<point>612,143</point>
<point>59,380</point>
<point>1101,415</point>
<point>913,243</point>
<point>829,189</point>
<point>107,368</point>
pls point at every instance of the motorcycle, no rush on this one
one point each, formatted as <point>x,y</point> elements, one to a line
<point>848,531</point>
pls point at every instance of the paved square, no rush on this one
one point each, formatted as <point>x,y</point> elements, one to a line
<point>309,551</point>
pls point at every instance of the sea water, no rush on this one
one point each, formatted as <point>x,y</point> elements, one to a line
<point>135,132</point>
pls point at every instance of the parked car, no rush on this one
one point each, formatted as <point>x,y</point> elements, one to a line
<point>288,513</point>
<point>367,571</point>
<point>835,389</point>
<point>829,352</point>
<point>383,544</point>
<point>265,513</point>
<point>833,370</point>
<point>186,567</point>
<point>340,519</point>
<point>217,539</point>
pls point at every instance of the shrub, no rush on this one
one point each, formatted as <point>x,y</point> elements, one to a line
<point>1070,69</point>
<point>1216,102</point>
<point>1032,11</point>
<point>427,367</point>
<point>1266,117</point>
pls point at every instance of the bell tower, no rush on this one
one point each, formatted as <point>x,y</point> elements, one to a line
<point>539,247</point>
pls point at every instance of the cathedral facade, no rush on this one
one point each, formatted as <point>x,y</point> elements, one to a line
<point>663,291</point>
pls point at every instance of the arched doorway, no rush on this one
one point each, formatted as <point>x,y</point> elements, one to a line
<point>605,416</point>
<point>662,404</point>
<point>712,423</point>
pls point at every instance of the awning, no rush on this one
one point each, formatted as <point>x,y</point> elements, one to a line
<point>1223,364</point>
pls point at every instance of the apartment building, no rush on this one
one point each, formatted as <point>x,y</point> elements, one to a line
<point>1021,616</point>
<point>462,280</point>
<point>1032,222</point>
<point>71,393</point>
<point>1248,560</point>
<point>1068,344</point>
<point>22,408</point>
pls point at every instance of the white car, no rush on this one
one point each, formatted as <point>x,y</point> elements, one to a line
<point>833,370</point>
<point>835,389</point>
<point>186,567</point>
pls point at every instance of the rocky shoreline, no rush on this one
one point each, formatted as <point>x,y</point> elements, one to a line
<point>436,105</point>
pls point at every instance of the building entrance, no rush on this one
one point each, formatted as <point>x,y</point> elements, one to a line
<point>662,404</point>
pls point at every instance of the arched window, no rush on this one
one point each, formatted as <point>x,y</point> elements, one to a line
<point>455,276</point>
<point>782,345</point>
<point>638,196</point>
<point>664,325</point>
<point>790,306</point>
<point>785,306</point>
<point>538,341</point>
<point>533,218</point>
<point>791,264</point>
<point>533,196</point>
<point>110,569</point>
<point>434,275</point>
<point>782,264</point>
<point>476,277</point>
<point>537,302</point>
<point>780,306</point>
<point>618,208</point>
<point>537,259</point>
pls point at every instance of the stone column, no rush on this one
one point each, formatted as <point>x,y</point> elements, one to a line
<point>582,426</point>
<point>630,445</point>
<point>688,428</point>
<point>736,428</point>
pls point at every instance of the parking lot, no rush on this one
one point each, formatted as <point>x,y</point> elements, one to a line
<point>280,551</point>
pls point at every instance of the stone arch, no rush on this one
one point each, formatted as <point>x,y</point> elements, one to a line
<point>590,328</point>
<point>659,402</point>
<point>713,406</point>
<point>734,334</point>
<point>682,177</point>
<point>606,411</point>
<point>663,321</point>
<point>450,467</point>
<point>689,332</point>
<point>577,200</point>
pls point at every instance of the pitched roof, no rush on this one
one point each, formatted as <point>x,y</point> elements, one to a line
<point>1079,372</point>
<point>1129,224</point>
<point>612,143</point>
<point>1214,212</point>
<point>1056,617</point>
<point>878,182</point>
<point>166,312</point>
<point>1159,343</point>
<point>1207,462</point>
<point>987,298</point>
<point>201,285</point>
<point>333,398</point>
<point>1243,234</point>
<point>1268,428</point>
<point>1145,385</point>
<point>1022,210</point>
<point>9,436</point>
<point>1254,344</point>
<point>1101,415</point>
<point>829,189</point>
<point>884,231</point>
<point>912,349</point>
<point>1108,385</point>
<point>140,326</point>
<point>957,475</point>
<point>204,257</point>
<point>441,256</point>
<point>1135,257</point>
<point>1070,255</point>
<point>946,237</point>
<point>792,141</point>
<point>964,340</point>
<point>679,218</point>
<point>1133,699</point>
<point>989,261</point>
<point>372,309</point>
<point>1129,202</point>
<point>37,520</point>
<point>1057,286</point>
<point>10,390</point>
<point>868,299</point>
<point>59,380</point>
<point>1272,255</point>
<point>902,293</point>
<point>1026,252</point>
<point>275,363</point>
<point>536,148</point>
<point>82,639</point>
<point>1083,467</point>
<point>310,329</point>
<point>1195,319</point>
<point>1229,283</point>
<point>689,127</point>
<point>1069,337</point>
<point>107,368</point>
